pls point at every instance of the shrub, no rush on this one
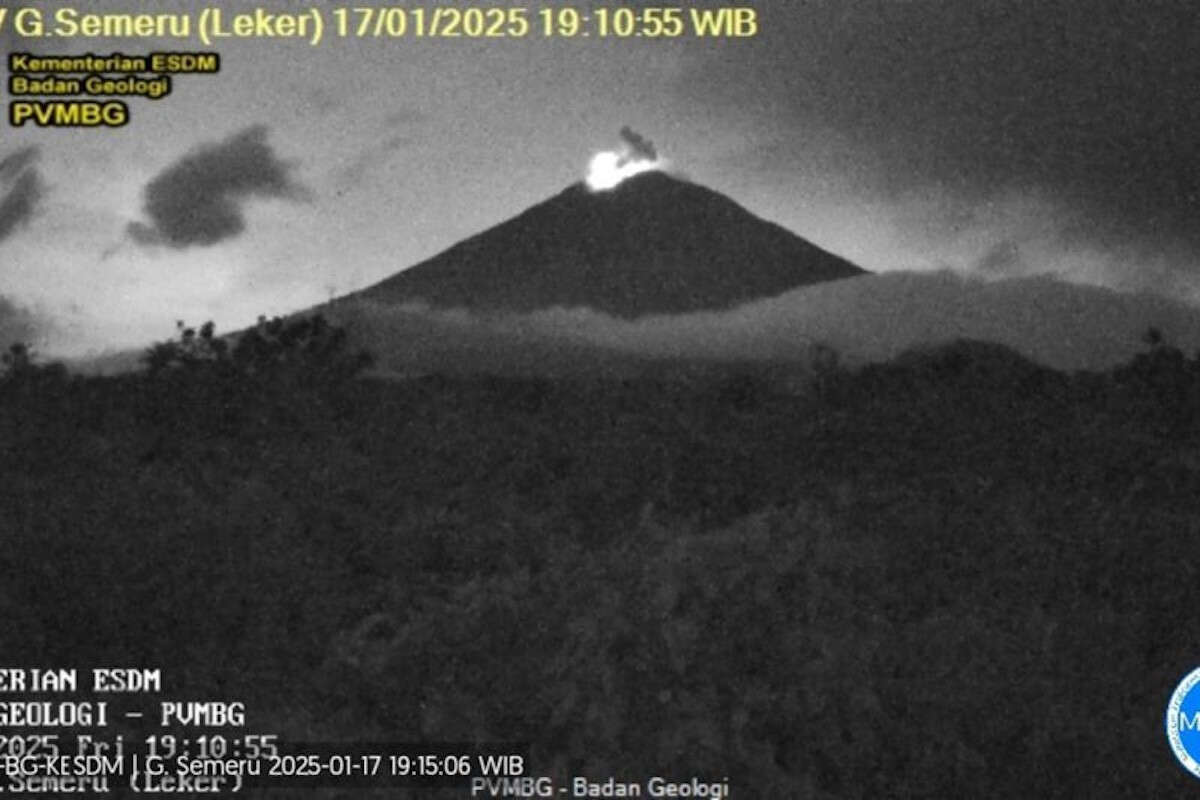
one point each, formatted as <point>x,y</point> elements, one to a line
<point>20,367</point>
<point>309,347</point>
<point>192,350</point>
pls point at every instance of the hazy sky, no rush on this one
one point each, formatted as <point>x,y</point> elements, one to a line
<point>1006,138</point>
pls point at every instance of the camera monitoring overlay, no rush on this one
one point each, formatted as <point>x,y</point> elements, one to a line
<point>753,399</point>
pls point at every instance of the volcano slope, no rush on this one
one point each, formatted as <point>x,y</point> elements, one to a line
<point>654,244</point>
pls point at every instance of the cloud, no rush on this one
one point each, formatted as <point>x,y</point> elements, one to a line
<point>366,163</point>
<point>199,199</point>
<point>866,319</point>
<point>14,163</point>
<point>20,190</point>
<point>1090,105</point>
<point>877,317</point>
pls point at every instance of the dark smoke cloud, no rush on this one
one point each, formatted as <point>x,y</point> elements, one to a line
<point>640,148</point>
<point>20,190</point>
<point>198,199</point>
<point>1090,104</point>
<point>14,163</point>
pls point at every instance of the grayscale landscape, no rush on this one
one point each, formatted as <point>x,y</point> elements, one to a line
<point>818,412</point>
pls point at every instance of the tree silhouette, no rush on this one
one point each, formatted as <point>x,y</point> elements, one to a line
<point>20,366</point>
<point>308,347</point>
<point>18,360</point>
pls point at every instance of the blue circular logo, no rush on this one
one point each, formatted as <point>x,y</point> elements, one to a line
<point>1183,722</point>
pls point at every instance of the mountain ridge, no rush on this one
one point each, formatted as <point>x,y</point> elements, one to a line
<point>655,244</point>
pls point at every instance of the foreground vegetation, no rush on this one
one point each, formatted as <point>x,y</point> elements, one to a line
<point>958,575</point>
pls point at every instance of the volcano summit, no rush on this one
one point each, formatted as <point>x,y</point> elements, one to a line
<point>653,244</point>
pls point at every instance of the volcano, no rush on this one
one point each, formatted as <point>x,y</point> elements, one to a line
<point>654,244</point>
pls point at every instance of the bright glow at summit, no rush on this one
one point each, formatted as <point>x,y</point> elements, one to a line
<point>637,155</point>
<point>609,168</point>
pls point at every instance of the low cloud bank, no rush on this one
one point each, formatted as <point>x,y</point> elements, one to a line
<point>866,319</point>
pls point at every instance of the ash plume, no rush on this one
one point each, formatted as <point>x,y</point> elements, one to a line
<point>640,148</point>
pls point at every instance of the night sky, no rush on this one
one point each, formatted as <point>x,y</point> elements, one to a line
<point>995,138</point>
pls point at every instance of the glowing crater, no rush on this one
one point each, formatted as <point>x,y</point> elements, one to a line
<point>607,169</point>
